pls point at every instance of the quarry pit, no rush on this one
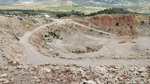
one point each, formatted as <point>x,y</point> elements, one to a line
<point>84,49</point>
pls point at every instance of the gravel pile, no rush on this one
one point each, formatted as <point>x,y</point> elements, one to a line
<point>27,74</point>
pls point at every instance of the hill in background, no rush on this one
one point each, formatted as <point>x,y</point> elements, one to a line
<point>141,6</point>
<point>112,11</point>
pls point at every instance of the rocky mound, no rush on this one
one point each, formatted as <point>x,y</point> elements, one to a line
<point>19,25</point>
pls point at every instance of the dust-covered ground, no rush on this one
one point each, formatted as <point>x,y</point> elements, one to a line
<point>61,51</point>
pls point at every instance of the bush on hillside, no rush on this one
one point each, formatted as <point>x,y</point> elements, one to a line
<point>112,11</point>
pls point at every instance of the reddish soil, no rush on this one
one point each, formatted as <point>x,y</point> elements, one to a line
<point>83,22</point>
<point>117,23</point>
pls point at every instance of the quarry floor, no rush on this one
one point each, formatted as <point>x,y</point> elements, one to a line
<point>113,48</point>
<point>114,66</point>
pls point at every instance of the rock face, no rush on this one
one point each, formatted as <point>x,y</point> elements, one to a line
<point>143,24</point>
<point>115,23</point>
<point>119,24</point>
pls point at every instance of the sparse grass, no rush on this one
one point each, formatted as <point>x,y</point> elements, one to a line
<point>73,8</point>
<point>27,25</point>
<point>41,6</point>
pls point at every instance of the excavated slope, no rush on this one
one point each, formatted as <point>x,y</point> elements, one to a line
<point>131,25</point>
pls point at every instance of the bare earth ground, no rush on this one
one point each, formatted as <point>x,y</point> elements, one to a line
<point>1,57</point>
<point>32,56</point>
<point>119,62</point>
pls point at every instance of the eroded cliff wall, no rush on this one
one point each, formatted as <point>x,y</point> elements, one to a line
<point>131,25</point>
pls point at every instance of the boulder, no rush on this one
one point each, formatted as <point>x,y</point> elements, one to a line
<point>142,69</point>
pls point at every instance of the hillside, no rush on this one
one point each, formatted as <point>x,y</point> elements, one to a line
<point>134,5</point>
<point>141,6</point>
<point>112,11</point>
